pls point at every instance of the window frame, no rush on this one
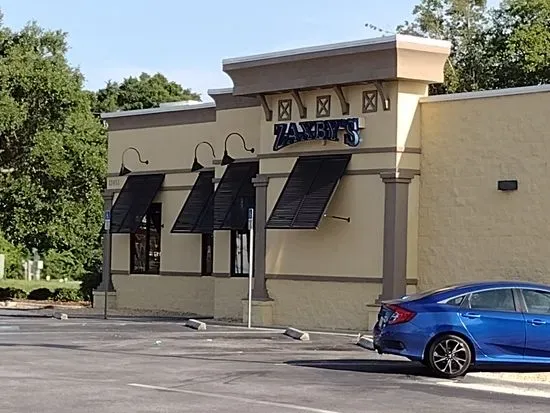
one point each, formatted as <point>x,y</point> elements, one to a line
<point>207,239</point>
<point>525,309</point>
<point>464,298</point>
<point>234,233</point>
<point>148,226</point>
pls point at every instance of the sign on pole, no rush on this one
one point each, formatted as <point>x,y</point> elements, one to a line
<point>107,220</point>
<point>251,263</point>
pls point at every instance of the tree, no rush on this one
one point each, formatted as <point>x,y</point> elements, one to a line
<point>140,93</point>
<point>463,23</point>
<point>56,146</point>
<point>519,43</point>
<point>491,48</point>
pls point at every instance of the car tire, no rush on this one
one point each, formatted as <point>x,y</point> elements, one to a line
<point>449,356</point>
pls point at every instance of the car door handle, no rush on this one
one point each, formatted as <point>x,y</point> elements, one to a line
<point>537,322</point>
<point>471,315</point>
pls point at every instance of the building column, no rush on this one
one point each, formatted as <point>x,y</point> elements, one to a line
<point>107,237</point>
<point>396,209</point>
<point>259,292</point>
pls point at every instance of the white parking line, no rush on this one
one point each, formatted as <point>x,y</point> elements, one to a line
<point>234,398</point>
<point>495,388</point>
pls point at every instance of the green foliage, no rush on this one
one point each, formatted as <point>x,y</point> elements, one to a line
<point>12,293</point>
<point>519,43</point>
<point>40,294</point>
<point>13,266</point>
<point>491,48</point>
<point>57,147</point>
<point>58,265</point>
<point>90,281</point>
<point>141,92</point>
<point>66,294</point>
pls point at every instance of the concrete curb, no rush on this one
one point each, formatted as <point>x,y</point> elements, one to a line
<point>296,334</point>
<point>365,342</point>
<point>195,324</point>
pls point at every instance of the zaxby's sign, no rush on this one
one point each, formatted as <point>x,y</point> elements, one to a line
<point>330,130</point>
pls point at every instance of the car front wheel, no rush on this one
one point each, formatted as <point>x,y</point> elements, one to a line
<point>449,356</point>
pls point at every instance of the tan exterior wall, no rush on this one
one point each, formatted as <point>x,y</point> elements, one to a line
<point>337,247</point>
<point>468,230</point>
<point>193,295</point>
<point>324,305</point>
<point>229,293</point>
<point>380,130</point>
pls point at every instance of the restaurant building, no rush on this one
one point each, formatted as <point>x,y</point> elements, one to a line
<point>363,188</point>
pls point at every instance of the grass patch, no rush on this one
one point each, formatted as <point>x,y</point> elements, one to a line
<point>28,286</point>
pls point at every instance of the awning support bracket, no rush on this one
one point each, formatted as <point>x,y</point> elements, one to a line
<point>382,93</point>
<point>301,107</point>
<point>348,219</point>
<point>342,98</point>
<point>267,110</point>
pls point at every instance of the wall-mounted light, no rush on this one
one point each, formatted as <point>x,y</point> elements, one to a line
<point>508,185</point>
<point>196,164</point>
<point>226,160</point>
<point>123,169</point>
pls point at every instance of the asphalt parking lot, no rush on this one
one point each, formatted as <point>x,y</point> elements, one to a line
<point>93,365</point>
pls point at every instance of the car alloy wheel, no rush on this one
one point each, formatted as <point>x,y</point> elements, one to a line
<point>450,356</point>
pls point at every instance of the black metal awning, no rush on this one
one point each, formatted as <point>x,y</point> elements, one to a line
<point>307,191</point>
<point>133,201</point>
<point>196,215</point>
<point>234,194</point>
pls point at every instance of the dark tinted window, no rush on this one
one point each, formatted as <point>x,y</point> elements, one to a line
<point>493,300</point>
<point>457,301</point>
<point>537,302</point>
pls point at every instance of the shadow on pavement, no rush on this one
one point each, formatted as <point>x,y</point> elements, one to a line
<point>367,366</point>
<point>48,313</point>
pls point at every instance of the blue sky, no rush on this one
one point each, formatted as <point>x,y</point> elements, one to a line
<point>187,40</point>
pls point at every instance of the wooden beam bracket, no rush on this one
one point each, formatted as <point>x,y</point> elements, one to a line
<point>342,98</point>
<point>301,107</point>
<point>383,96</point>
<point>267,110</point>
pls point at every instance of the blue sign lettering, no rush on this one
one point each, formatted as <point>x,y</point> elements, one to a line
<point>289,133</point>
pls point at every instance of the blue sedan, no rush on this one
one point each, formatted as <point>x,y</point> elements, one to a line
<point>452,328</point>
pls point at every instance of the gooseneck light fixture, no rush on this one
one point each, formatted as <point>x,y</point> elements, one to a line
<point>196,164</point>
<point>123,169</point>
<point>226,160</point>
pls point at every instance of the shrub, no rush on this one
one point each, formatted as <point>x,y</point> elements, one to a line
<point>63,264</point>
<point>13,265</point>
<point>90,281</point>
<point>66,294</point>
<point>40,294</point>
<point>11,292</point>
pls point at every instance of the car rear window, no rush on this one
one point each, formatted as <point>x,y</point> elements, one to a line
<point>423,294</point>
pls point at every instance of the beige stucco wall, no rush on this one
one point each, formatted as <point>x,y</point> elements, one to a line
<point>324,305</point>
<point>337,247</point>
<point>468,230</point>
<point>193,295</point>
<point>229,293</point>
<point>380,130</point>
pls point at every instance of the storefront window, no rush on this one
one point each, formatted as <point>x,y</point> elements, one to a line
<point>207,255</point>
<point>145,243</point>
<point>240,249</point>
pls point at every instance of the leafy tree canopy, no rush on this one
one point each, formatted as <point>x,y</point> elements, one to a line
<point>55,145</point>
<point>507,46</point>
<point>141,92</point>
